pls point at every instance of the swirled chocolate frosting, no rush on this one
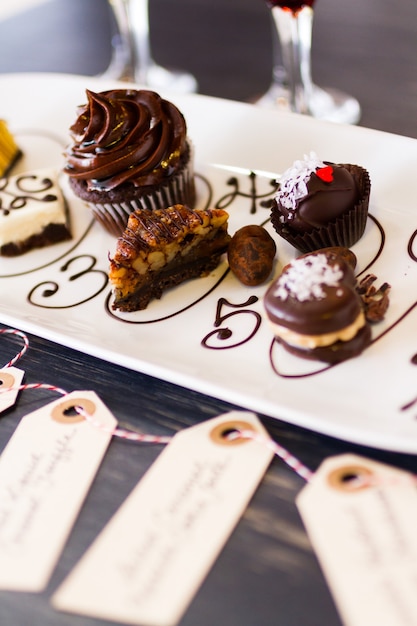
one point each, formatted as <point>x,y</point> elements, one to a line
<point>125,136</point>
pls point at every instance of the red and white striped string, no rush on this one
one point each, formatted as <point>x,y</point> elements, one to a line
<point>279,451</point>
<point>116,432</point>
<point>17,333</point>
<point>138,437</point>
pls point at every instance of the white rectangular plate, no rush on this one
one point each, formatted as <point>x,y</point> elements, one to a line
<point>211,334</point>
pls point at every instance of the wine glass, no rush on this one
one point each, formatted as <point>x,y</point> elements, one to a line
<point>292,87</point>
<point>132,58</point>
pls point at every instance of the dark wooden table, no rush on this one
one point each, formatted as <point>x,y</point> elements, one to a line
<point>267,574</point>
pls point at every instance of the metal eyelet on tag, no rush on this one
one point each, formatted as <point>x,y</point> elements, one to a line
<point>351,478</point>
<point>7,380</point>
<point>360,518</point>
<point>220,433</point>
<point>10,379</point>
<point>65,412</point>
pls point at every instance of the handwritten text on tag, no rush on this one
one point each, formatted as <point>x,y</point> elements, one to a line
<point>46,470</point>
<point>361,518</point>
<point>149,561</point>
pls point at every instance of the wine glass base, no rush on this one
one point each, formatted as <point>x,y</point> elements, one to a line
<point>325,104</point>
<point>156,77</point>
<point>171,80</point>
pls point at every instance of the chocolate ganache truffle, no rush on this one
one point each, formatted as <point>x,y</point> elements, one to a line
<point>315,311</point>
<point>251,254</point>
<point>130,151</point>
<point>321,204</point>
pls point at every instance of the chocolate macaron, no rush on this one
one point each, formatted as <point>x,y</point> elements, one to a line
<point>315,311</point>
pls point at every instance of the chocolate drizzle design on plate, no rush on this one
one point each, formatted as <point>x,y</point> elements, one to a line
<point>136,318</point>
<point>50,293</point>
<point>410,246</point>
<point>413,360</point>
<point>77,268</point>
<point>27,192</point>
<point>246,330</point>
<point>51,254</point>
<point>253,195</point>
<point>412,403</point>
<point>235,320</point>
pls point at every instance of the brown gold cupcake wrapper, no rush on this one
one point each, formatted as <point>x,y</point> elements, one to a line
<point>345,231</point>
<point>179,190</point>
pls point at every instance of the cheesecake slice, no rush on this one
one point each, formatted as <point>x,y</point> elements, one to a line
<point>163,248</point>
<point>33,212</point>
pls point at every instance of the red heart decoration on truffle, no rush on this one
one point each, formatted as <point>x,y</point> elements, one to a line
<point>325,173</point>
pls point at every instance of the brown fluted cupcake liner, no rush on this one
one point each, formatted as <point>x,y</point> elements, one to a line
<point>345,231</point>
<point>179,189</point>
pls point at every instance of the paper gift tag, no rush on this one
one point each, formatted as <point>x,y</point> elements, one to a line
<point>361,517</point>
<point>10,378</point>
<point>46,470</point>
<point>149,561</point>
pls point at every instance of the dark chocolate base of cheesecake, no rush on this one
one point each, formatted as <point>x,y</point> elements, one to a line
<point>335,353</point>
<point>158,283</point>
<point>52,233</point>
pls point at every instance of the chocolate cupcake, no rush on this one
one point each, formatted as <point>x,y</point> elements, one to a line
<point>130,151</point>
<point>315,311</point>
<point>321,204</point>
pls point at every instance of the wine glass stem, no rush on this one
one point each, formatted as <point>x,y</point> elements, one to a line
<point>133,52</point>
<point>294,32</point>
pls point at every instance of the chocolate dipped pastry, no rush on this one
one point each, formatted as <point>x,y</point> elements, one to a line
<point>315,311</point>
<point>321,204</point>
<point>163,248</point>
<point>130,151</point>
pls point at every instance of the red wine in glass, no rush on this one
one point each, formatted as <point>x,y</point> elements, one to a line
<point>291,5</point>
<point>292,87</point>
